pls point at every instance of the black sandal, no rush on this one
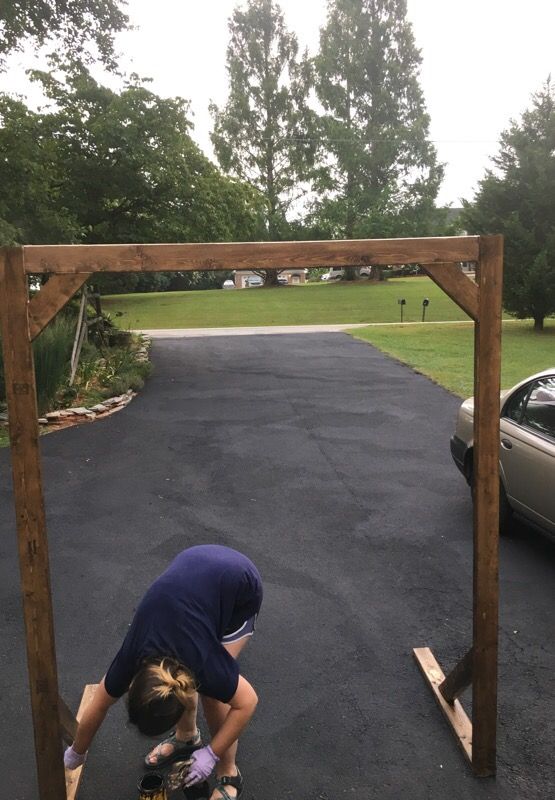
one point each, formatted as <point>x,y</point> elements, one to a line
<point>230,780</point>
<point>181,750</point>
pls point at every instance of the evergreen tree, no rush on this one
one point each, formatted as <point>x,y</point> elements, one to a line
<point>378,174</point>
<point>517,199</point>
<point>261,136</point>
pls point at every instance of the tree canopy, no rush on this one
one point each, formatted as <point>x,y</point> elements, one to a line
<point>67,24</point>
<point>517,198</point>
<point>103,166</point>
<point>377,173</point>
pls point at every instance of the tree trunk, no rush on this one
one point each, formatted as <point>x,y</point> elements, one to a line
<point>538,323</point>
<point>271,277</point>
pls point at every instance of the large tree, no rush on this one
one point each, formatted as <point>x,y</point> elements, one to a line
<point>67,26</point>
<point>261,135</point>
<point>517,198</point>
<point>32,174</point>
<point>378,173</point>
<point>103,166</point>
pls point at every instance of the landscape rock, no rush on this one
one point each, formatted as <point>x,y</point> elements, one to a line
<point>99,408</point>
<point>111,401</point>
<point>53,416</point>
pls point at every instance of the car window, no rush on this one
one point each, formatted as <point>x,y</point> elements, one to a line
<point>539,412</point>
<point>515,407</point>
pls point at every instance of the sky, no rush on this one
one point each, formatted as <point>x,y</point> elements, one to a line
<point>482,60</point>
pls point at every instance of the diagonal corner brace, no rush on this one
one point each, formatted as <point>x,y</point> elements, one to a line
<point>52,298</point>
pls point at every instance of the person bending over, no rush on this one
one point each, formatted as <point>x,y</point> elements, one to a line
<point>183,643</point>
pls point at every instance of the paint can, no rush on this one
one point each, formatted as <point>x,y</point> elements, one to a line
<point>152,787</point>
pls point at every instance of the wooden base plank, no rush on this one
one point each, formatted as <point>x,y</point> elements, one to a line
<point>455,713</point>
<point>73,777</point>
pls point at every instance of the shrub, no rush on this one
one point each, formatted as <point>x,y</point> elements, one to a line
<point>103,372</point>
<point>52,353</point>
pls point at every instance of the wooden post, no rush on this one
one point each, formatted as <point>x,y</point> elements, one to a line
<point>487,364</point>
<point>31,523</point>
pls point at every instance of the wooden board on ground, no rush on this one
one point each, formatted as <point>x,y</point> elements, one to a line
<point>73,777</point>
<point>455,714</point>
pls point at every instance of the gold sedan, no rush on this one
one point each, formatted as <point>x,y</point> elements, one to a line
<point>526,450</point>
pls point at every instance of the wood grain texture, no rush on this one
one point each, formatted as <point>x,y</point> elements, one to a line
<point>53,296</point>
<point>454,713</point>
<point>68,721</point>
<point>31,524</point>
<point>458,286</point>
<point>458,679</point>
<point>73,777</point>
<point>486,505</point>
<point>246,255</point>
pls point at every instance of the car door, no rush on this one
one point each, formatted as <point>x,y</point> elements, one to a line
<point>527,451</point>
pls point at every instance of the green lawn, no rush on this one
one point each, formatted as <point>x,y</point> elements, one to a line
<point>313,304</point>
<point>445,353</point>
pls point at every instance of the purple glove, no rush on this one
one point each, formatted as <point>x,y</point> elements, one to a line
<point>73,759</point>
<point>204,761</point>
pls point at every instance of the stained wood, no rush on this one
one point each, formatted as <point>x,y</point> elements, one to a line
<point>31,524</point>
<point>68,721</point>
<point>246,255</point>
<point>457,285</point>
<point>454,713</point>
<point>52,298</point>
<point>486,505</point>
<point>73,777</point>
<point>458,679</point>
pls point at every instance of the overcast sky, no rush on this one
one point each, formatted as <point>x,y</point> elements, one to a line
<point>482,59</point>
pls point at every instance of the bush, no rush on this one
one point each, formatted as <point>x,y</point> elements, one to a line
<point>52,354</point>
<point>103,371</point>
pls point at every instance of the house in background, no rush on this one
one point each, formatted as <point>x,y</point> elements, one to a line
<point>294,277</point>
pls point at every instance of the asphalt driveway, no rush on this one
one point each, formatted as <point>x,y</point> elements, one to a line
<point>328,464</point>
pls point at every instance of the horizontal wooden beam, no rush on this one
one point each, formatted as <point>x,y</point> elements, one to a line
<point>73,776</point>
<point>457,285</point>
<point>246,255</point>
<point>57,291</point>
<point>454,713</point>
<point>458,679</point>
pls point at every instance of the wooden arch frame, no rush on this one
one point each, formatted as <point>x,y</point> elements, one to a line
<point>69,266</point>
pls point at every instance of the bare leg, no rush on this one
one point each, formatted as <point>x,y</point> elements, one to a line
<point>215,714</point>
<point>185,730</point>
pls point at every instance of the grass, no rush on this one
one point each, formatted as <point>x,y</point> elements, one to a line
<point>312,304</point>
<point>445,353</point>
<point>4,440</point>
